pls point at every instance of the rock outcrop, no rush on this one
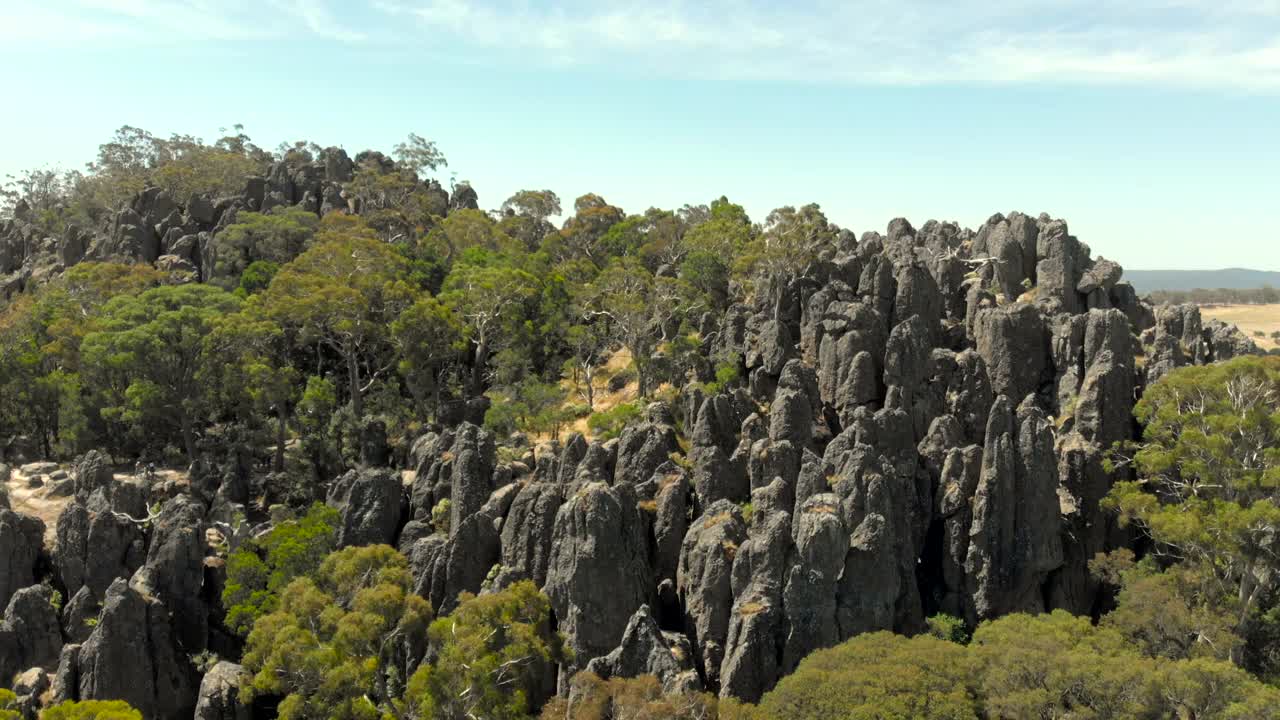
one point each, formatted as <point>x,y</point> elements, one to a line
<point>133,655</point>
<point>598,574</point>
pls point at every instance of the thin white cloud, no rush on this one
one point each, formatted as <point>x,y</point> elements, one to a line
<point>1180,43</point>
<point>317,18</point>
<point>1232,43</point>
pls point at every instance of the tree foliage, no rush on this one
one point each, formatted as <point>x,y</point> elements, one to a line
<point>259,571</point>
<point>640,697</point>
<point>275,237</point>
<point>341,640</point>
<point>145,355</point>
<point>1208,488</point>
<point>91,710</point>
<point>495,657</point>
<point>1019,666</point>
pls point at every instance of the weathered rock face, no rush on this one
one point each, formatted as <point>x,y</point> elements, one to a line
<point>174,571</point>
<point>643,447</point>
<point>95,548</point>
<point>371,502</point>
<point>647,650</point>
<point>133,655</point>
<point>1014,345</point>
<point>715,437</point>
<point>757,620</point>
<point>671,505</point>
<point>91,473</point>
<point>528,530</point>
<point>877,586</point>
<point>443,567</point>
<point>29,633</point>
<point>471,479</point>
<point>21,537</point>
<point>219,690</point>
<point>598,574</point>
<point>704,581</point>
<point>1015,540</point>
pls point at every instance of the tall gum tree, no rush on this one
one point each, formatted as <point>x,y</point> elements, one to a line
<point>343,293</point>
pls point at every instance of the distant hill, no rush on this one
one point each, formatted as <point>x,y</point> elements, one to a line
<point>1145,281</point>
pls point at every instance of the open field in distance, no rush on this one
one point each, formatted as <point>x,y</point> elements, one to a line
<point>1250,319</point>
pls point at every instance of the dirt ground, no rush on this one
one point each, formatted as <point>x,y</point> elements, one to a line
<point>1250,319</point>
<point>39,502</point>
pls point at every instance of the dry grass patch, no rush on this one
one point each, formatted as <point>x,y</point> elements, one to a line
<point>730,549</point>
<point>717,519</point>
<point>1250,319</point>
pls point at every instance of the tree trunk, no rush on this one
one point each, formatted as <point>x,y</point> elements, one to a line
<point>590,373</point>
<point>477,372</point>
<point>188,435</point>
<point>437,377</point>
<point>353,378</point>
<point>281,434</point>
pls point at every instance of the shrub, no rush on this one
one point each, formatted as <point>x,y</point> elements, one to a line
<point>609,423</point>
<point>91,710</point>
<point>257,572</point>
<point>440,516</point>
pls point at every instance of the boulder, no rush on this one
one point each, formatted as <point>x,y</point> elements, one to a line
<point>218,698</point>
<point>92,472</point>
<point>29,633</point>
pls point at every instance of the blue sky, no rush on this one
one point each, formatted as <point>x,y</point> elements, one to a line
<point>1152,127</point>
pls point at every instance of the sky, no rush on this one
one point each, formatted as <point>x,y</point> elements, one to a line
<point>1152,127</point>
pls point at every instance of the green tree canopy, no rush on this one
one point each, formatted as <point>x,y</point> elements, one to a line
<point>878,676</point>
<point>143,360</point>
<point>263,567</point>
<point>276,237</point>
<point>491,300</point>
<point>428,337</point>
<point>341,641</point>
<point>1208,488</point>
<point>495,658</point>
<point>91,710</point>
<point>343,293</point>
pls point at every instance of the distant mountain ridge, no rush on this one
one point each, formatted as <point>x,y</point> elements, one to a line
<point>1145,281</point>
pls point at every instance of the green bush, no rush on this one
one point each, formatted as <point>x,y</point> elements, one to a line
<point>440,515</point>
<point>258,571</point>
<point>90,710</point>
<point>609,423</point>
<point>9,705</point>
<point>949,628</point>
